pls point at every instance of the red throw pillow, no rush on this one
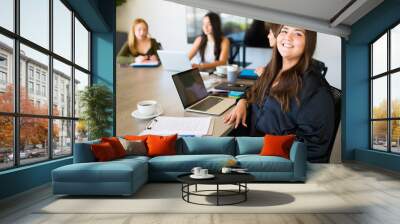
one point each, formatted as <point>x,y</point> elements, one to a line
<point>103,152</point>
<point>116,145</point>
<point>277,145</point>
<point>161,145</point>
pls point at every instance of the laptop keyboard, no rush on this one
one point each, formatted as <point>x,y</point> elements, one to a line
<point>206,104</point>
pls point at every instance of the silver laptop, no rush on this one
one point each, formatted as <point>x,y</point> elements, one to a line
<point>174,60</point>
<point>194,96</point>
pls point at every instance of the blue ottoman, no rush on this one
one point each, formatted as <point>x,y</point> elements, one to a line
<point>118,177</point>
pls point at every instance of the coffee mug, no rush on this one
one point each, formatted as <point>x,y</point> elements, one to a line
<point>196,171</point>
<point>147,107</point>
<point>221,69</point>
<point>203,172</point>
<point>232,71</point>
<point>226,170</point>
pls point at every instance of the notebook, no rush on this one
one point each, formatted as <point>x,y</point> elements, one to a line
<point>146,64</point>
<point>248,74</point>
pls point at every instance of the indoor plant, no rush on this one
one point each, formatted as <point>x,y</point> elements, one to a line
<point>96,102</point>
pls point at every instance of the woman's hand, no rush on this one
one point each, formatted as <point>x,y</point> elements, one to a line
<point>140,58</point>
<point>153,58</point>
<point>238,114</point>
<point>259,71</point>
<point>199,66</point>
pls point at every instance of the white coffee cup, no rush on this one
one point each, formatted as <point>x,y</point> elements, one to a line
<point>203,172</point>
<point>232,71</point>
<point>196,171</point>
<point>221,69</point>
<point>147,107</point>
<point>226,170</point>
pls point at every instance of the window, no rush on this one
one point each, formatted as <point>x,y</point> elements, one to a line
<point>44,91</point>
<point>62,29</point>
<point>6,73</point>
<point>45,131</point>
<point>38,89</point>
<point>62,74</point>
<point>7,14</point>
<point>30,72</point>
<point>30,87</point>
<point>385,95</point>
<point>37,74</point>
<point>81,45</point>
<point>34,21</point>
<point>3,61</point>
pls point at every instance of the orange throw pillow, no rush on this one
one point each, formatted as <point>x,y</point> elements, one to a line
<point>161,145</point>
<point>103,152</point>
<point>136,137</point>
<point>277,145</point>
<point>116,145</point>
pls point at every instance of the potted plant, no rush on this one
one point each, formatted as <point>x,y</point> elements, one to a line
<point>96,102</point>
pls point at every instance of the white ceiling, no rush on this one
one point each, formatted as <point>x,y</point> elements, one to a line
<point>326,16</point>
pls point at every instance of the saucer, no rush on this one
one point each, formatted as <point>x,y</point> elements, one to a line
<point>220,74</point>
<point>136,114</point>
<point>208,176</point>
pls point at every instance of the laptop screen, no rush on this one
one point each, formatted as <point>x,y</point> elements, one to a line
<point>190,87</point>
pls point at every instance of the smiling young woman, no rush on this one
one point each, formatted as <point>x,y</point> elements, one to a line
<point>293,98</point>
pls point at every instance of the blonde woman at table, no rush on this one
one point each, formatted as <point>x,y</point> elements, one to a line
<point>211,49</point>
<point>140,47</point>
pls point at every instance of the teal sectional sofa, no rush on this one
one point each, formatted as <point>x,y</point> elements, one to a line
<point>125,176</point>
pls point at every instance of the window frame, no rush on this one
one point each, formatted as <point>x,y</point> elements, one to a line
<point>388,74</point>
<point>16,114</point>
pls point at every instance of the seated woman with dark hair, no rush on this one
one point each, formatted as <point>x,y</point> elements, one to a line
<point>291,97</point>
<point>211,49</point>
<point>140,47</point>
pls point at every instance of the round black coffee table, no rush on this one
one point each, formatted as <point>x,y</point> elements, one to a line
<point>238,179</point>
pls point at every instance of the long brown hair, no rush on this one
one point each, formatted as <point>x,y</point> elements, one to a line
<point>275,28</point>
<point>290,81</point>
<point>215,21</point>
<point>131,36</point>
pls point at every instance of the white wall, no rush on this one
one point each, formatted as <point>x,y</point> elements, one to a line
<point>167,23</point>
<point>329,51</point>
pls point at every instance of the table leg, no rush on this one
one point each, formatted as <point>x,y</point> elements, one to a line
<point>196,188</point>
<point>245,191</point>
<point>217,194</point>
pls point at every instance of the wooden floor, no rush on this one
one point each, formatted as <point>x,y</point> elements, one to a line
<point>378,189</point>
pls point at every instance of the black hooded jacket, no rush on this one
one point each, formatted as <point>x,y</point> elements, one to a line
<point>312,121</point>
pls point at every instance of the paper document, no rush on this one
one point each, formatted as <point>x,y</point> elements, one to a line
<point>165,125</point>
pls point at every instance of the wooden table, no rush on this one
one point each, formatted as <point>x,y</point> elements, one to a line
<point>137,84</point>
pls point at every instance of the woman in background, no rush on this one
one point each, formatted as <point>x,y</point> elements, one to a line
<point>140,47</point>
<point>211,48</point>
<point>273,33</point>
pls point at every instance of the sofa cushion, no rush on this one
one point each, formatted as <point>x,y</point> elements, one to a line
<point>103,152</point>
<point>116,145</point>
<point>207,145</point>
<point>134,147</point>
<point>83,152</point>
<point>161,145</point>
<point>257,163</point>
<point>136,137</point>
<point>277,145</point>
<point>185,163</point>
<point>249,145</point>
<point>112,171</point>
